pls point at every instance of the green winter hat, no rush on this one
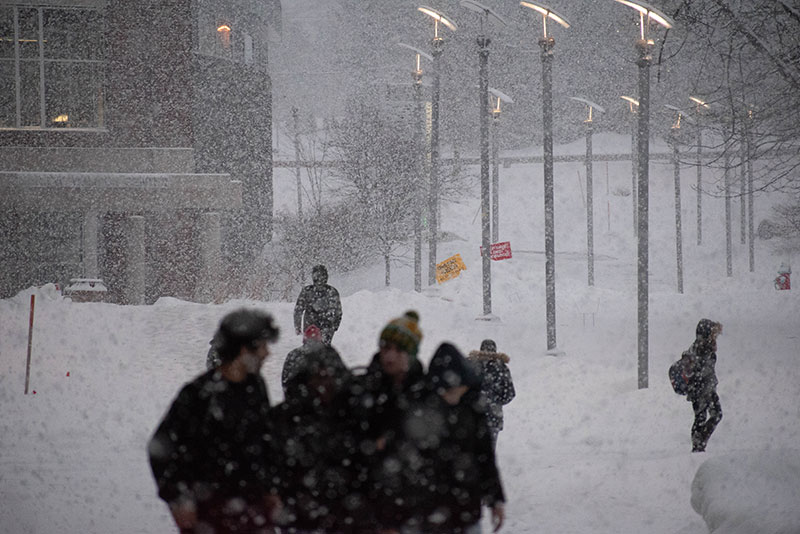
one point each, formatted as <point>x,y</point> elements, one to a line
<point>403,332</point>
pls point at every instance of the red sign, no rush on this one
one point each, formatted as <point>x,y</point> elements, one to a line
<point>499,251</point>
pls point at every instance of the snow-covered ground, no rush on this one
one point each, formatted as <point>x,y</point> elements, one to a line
<point>584,450</point>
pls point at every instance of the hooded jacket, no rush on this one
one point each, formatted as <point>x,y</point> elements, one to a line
<point>318,304</point>
<point>497,385</point>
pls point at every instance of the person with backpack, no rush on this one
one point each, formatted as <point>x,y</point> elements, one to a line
<point>213,458</point>
<point>496,384</point>
<point>318,304</point>
<point>702,383</point>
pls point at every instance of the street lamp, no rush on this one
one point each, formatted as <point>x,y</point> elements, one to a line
<point>589,187</point>
<point>673,140</point>
<point>417,77</point>
<point>484,14</point>
<point>547,43</point>
<point>433,197</point>
<point>644,45</point>
<point>699,106</point>
<point>499,96</point>
<point>633,106</point>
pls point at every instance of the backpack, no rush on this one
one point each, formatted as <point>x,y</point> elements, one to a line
<point>680,373</point>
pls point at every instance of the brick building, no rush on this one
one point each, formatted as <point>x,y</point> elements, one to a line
<point>135,143</point>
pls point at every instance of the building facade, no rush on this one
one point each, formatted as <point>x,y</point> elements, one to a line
<point>135,144</point>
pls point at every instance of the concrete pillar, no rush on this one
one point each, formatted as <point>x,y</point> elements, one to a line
<point>89,245</point>
<point>209,243</point>
<point>134,278</point>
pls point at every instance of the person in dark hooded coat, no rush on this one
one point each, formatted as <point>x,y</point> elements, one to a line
<point>318,304</point>
<point>463,473</point>
<point>496,383</point>
<point>213,455</point>
<point>703,383</point>
<point>312,426</point>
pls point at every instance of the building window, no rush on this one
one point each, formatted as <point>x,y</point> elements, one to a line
<point>51,67</point>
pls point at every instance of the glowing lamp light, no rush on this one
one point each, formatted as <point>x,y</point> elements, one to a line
<point>437,18</point>
<point>224,28</point>
<point>699,102</point>
<point>61,118</point>
<point>547,13</point>
<point>650,13</point>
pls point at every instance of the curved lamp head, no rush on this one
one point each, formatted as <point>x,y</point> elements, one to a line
<point>632,102</point>
<point>419,54</point>
<point>592,106</point>
<point>498,97</point>
<point>680,116</point>
<point>437,17</point>
<point>484,11</point>
<point>547,13</point>
<point>646,14</point>
<point>699,103</point>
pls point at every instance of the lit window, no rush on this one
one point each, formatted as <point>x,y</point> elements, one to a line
<point>51,67</point>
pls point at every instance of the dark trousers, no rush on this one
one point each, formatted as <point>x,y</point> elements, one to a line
<point>707,414</point>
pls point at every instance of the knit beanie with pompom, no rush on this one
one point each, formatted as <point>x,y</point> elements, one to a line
<point>403,332</point>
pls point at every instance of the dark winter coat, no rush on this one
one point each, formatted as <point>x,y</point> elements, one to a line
<point>295,361</point>
<point>215,443</point>
<point>703,379</point>
<point>378,412</point>
<point>497,385</point>
<point>317,445</point>
<point>318,304</point>
<point>460,471</point>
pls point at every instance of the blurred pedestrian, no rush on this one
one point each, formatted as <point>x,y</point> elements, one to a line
<point>378,404</point>
<point>465,474</point>
<point>312,338</point>
<point>496,383</point>
<point>318,304</point>
<point>312,427</point>
<point>703,383</point>
<point>212,456</point>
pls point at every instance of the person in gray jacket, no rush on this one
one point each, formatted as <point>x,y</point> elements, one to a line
<point>497,385</point>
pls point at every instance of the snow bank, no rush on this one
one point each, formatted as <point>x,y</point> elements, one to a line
<point>743,493</point>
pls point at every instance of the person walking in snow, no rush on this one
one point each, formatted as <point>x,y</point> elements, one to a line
<point>318,304</point>
<point>212,456</point>
<point>312,339</point>
<point>464,469</point>
<point>497,385</point>
<point>378,402</point>
<point>703,383</point>
<point>312,426</point>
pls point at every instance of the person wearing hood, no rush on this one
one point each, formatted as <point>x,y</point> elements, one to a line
<point>318,304</point>
<point>378,402</point>
<point>464,473</point>
<point>312,427</point>
<point>703,383</point>
<point>213,455</point>
<point>496,384</point>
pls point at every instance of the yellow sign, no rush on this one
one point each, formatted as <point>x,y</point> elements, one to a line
<point>449,268</point>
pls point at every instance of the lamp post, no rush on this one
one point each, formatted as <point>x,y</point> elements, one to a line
<point>484,14</point>
<point>547,43</point>
<point>673,140</point>
<point>589,188</point>
<point>499,96</point>
<point>433,197</point>
<point>644,45</point>
<point>416,75</point>
<point>633,105</point>
<point>699,106</point>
